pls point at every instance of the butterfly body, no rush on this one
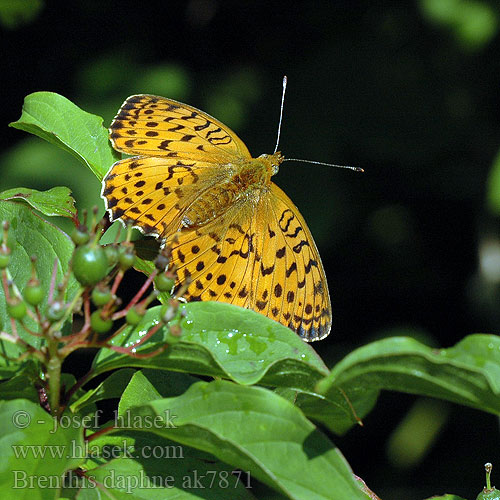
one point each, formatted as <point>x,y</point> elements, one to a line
<point>247,179</point>
<point>234,235</point>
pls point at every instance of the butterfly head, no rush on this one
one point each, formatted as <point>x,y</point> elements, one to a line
<point>275,160</point>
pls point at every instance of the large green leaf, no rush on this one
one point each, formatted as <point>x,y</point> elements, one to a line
<point>230,342</point>
<point>54,202</point>
<point>167,469</point>
<point>250,428</point>
<point>34,449</point>
<point>468,373</point>
<point>160,468</point>
<point>222,340</point>
<point>57,120</point>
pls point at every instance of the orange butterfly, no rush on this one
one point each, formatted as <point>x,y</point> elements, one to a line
<point>238,237</point>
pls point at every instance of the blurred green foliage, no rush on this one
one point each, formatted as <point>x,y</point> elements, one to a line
<point>15,13</point>
<point>473,22</point>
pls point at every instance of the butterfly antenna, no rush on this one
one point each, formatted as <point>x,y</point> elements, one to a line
<point>285,79</point>
<point>356,169</point>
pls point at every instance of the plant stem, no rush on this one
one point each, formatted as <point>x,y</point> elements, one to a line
<point>488,468</point>
<point>54,375</point>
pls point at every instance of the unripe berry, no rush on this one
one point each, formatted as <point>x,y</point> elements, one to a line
<point>164,282</point>
<point>90,264</point>
<point>101,296</point>
<point>161,262</point>
<point>492,494</point>
<point>100,324</point>
<point>56,311</point>
<point>111,254</point>
<point>33,293</point>
<point>168,312</point>
<point>489,492</point>
<point>126,258</point>
<point>80,235</point>
<point>173,335</point>
<point>4,258</point>
<point>16,308</point>
<point>134,316</point>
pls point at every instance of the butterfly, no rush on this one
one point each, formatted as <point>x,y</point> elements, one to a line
<point>234,235</point>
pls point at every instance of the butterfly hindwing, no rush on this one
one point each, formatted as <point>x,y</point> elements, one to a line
<point>259,255</point>
<point>293,277</point>
<point>218,258</point>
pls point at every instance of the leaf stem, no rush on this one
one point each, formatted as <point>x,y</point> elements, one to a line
<point>54,375</point>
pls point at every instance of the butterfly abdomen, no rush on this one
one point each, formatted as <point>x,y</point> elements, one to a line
<point>209,205</point>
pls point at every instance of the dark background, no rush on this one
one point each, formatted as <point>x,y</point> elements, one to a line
<point>409,91</point>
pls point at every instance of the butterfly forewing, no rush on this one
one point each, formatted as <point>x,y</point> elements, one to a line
<point>155,126</point>
<point>152,193</point>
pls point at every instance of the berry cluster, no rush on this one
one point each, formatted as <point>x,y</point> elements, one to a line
<point>98,315</point>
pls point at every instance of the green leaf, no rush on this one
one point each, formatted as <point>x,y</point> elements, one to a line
<point>446,497</point>
<point>57,120</point>
<point>33,447</point>
<point>147,452</point>
<point>493,193</point>
<point>178,471</point>
<point>31,235</point>
<point>468,373</point>
<point>54,202</point>
<point>9,371</point>
<point>111,387</point>
<point>252,429</point>
<point>338,411</point>
<point>22,384</point>
<point>223,340</point>
<point>148,385</point>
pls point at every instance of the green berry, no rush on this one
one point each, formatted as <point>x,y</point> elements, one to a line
<point>112,254</point>
<point>164,283</point>
<point>101,296</point>
<point>492,494</point>
<point>4,259</point>
<point>56,311</point>
<point>100,324</point>
<point>33,293</point>
<point>80,235</point>
<point>134,316</point>
<point>16,308</point>
<point>126,258</point>
<point>90,264</point>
